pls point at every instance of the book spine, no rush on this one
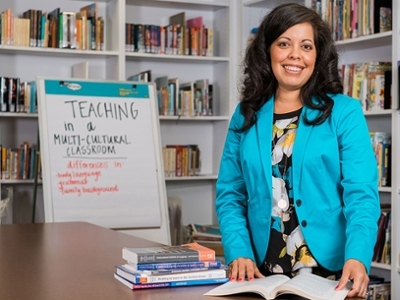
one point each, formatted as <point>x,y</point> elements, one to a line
<point>170,257</point>
<point>170,284</point>
<point>144,278</point>
<point>189,265</point>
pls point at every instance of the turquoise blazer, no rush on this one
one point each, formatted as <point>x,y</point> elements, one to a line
<point>335,186</point>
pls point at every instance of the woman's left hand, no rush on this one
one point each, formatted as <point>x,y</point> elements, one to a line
<point>355,271</point>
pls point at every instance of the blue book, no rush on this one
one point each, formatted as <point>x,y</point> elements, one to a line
<point>32,158</point>
<point>129,268</point>
<point>140,277</point>
<point>183,265</point>
<point>33,99</point>
<point>134,286</point>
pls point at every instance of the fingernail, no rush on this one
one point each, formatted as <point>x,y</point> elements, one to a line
<point>240,279</point>
<point>336,287</point>
<point>233,279</point>
<point>250,278</point>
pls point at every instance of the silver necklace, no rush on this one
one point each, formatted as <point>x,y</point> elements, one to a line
<point>283,202</point>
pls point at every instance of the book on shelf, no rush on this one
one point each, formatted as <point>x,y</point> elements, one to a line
<point>370,82</point>
<point>3,94</point>
<point>383,241</point>
<point>181,160</point>
<point>91,13</point>
<point>183,253</point>
<point>134,286</point>
<point>173,97</point>
<point>180,20</point>
<point>53,17</point>
<point>306,285</point>
<point>201,97</point>
<point>141,277</point>
<point>186,91</point>
<point>379,291</point>
<point>162,95</point>
<point>144,76</point>
<point>67,32</point>
<point>55,29</point>
<point>381,144</point>
<point>213,264</point>
<point>18,163</point>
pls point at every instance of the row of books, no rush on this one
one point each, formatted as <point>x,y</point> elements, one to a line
<point>83,30</point>
<point>381,144</point>
<point>169,266</point>
<point>354,18</point>
<point>179,37</point>
<point>370,82</point>
<point>189,99</point>
<point>181,160</point>
<point>19,163</point>
<point>378,288</point>
<point>184,99</point>
<point>17,96</point>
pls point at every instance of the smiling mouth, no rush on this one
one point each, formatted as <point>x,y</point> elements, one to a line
<point>293,69</point>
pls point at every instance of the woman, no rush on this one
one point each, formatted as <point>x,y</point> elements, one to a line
<point>298,187</point>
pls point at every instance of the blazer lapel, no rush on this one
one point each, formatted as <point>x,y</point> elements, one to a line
<point>263,128</point>
<point>300,144</point>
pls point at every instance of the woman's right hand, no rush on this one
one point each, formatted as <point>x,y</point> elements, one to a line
<point>243,268</point>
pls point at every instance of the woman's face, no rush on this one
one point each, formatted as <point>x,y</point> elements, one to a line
<point>293,57</point>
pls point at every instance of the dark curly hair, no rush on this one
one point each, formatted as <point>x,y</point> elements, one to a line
<point>260,84</point>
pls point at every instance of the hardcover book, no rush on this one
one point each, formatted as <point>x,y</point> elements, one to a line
<point>215,264</point>
<point>134,286</point>
<point>143,277</point>
<point>182,253</point>
<point>306,285</point>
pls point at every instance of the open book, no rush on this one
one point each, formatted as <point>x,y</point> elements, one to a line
<point>305,285</point>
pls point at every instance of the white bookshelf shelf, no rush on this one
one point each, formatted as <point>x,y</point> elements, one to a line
<point>367,41</point>
<point>182,4</point>
<point>267,3</point>
<point>54,52</point>
<point>192,178</point>
<point>17,115</point>
<point>380,266</point>
<point>194,119</point>
<point>177,58</point>
<point>384,112</point>
<point>385,189</point>
<point>18,181</point>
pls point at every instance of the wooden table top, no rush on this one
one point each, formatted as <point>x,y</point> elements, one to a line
<point>75,260</point>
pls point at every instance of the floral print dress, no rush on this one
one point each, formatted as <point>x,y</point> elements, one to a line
<point>287,251</point>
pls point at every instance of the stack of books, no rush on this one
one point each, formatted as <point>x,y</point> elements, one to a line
<point>169,266</point>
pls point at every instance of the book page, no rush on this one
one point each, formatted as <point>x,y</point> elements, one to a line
<point>261,286</point>
<point>312,286</point>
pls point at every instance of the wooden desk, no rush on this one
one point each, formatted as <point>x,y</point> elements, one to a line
<point>75,260</point>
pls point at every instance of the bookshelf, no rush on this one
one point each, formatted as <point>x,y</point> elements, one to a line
<point>114,63</point>
<point>377,47</point>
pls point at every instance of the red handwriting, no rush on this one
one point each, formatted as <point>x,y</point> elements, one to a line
<point>79,164</point>
<point>98,190</point>
<point>84,175</point>
<point>79,175</point>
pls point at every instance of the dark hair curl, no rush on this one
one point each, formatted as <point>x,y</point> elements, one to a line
<point>260,84</point>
